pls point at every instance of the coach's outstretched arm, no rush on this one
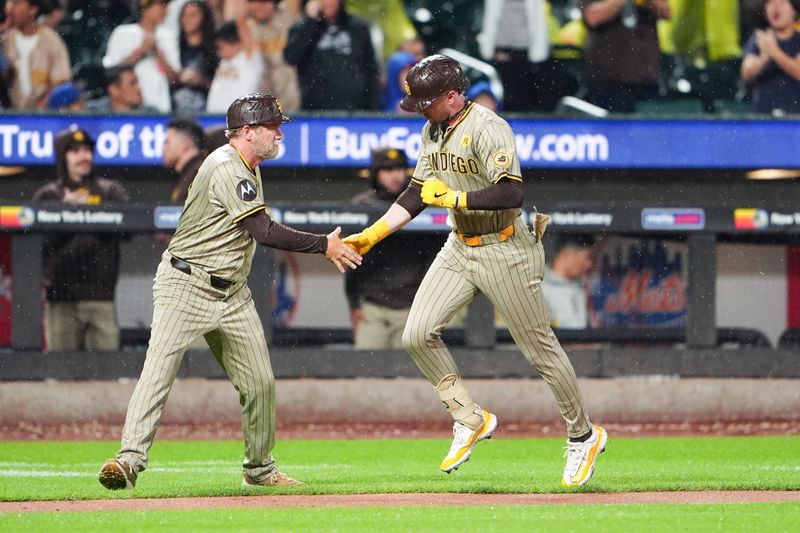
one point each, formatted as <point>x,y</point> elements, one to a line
<point>270,233</point>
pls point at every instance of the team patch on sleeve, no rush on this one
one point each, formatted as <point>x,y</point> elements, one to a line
<point>501,159</point>
<point>246,191</point>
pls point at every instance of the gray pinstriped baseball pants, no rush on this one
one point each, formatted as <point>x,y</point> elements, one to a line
<point>509,274</point>
<point>185,307</point>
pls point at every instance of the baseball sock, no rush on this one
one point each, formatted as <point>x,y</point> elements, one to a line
<point>456,399</point>
<point>582,438</point>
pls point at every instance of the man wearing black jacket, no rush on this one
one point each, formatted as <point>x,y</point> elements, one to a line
<point>381,290</point>
<point>335,60</point>
<point>81,268</point>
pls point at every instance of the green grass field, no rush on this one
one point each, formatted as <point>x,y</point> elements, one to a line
<point>68,470</point>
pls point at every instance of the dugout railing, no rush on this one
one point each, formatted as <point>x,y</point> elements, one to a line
<point>700,227</point>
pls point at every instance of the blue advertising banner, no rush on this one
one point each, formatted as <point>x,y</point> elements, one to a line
<point>347,141</point>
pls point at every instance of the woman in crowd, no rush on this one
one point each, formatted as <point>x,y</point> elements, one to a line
<point>198,57</point>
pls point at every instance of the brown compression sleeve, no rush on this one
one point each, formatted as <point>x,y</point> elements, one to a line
<point>411,200</point>
<point>504,194</point>
<point>269,233</point>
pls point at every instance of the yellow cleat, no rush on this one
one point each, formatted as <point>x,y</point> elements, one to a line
<point>464,439</point>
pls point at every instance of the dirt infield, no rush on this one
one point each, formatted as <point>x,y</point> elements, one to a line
<point>401,500</point>
<point>233,431</point>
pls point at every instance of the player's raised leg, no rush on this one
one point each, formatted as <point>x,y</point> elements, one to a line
<point>442,293</point>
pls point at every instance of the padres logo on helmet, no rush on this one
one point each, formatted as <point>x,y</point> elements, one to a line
<point>431,78</point>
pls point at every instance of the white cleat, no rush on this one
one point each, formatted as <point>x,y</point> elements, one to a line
<point>581,457</point>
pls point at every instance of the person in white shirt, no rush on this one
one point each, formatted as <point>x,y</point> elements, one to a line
<point>239,70</point>
<point>151,49</point>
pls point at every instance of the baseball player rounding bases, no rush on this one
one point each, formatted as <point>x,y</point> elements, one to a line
<point>467,164</point>
<point>201,289</point>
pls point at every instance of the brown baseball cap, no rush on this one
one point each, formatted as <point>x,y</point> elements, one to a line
<point>255,109</point>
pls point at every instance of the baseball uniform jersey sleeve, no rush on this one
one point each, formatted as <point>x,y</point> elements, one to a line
<point>210,235</point>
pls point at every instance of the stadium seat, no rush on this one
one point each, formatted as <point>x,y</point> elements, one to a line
<point>742,337</point>
<point>732,108</point>
<point>670,107</point>
<point>790,339</point>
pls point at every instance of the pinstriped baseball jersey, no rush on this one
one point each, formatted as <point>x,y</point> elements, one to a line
<point>225,191</point>
<point>475,152</point>
<point>187,304</point>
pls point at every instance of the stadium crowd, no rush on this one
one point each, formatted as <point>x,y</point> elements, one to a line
<point>195,56</point>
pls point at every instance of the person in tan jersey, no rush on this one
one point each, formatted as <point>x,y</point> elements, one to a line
<point>201,289</point>
<point>467,163</point>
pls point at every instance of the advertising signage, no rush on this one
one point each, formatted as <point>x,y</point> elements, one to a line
<point>348,141</point>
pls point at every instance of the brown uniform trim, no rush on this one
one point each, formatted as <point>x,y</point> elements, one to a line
<point>417,181</point>
<point>249,213</point>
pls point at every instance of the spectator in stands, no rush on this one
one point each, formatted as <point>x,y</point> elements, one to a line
<point>51,14</point>
<point>151,49</point>
<point>5,75</point>
<point>414,46</point>
<point>123,93</point>
<point>65,97</point>
<point>622,57</point>
<point>771,64</point>
<point>381,290</point>
<point>708,31</point>
<point>481,93</point>
<point>335,60</point>
<point>564,283</point>
<point>81,268</point>
<point>198,58</point>
<point>397,67</point>
<point>389,22</point>
<point>38,56</point>
<point>239,70</point>
<point>514,38</point>
<point>269,24</point>
<point>183,154</point>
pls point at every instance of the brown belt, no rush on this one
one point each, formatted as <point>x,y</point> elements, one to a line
<point>216,282</point>
<point>488,238</point>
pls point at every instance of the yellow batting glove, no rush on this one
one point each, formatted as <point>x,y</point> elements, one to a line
<point>369,237</point>
<point>436,192</point>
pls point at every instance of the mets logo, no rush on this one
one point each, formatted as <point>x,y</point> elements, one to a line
<point>465,140</point>
<point>246,190</point>
<point>501,159</point>
<point>407,88</point>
